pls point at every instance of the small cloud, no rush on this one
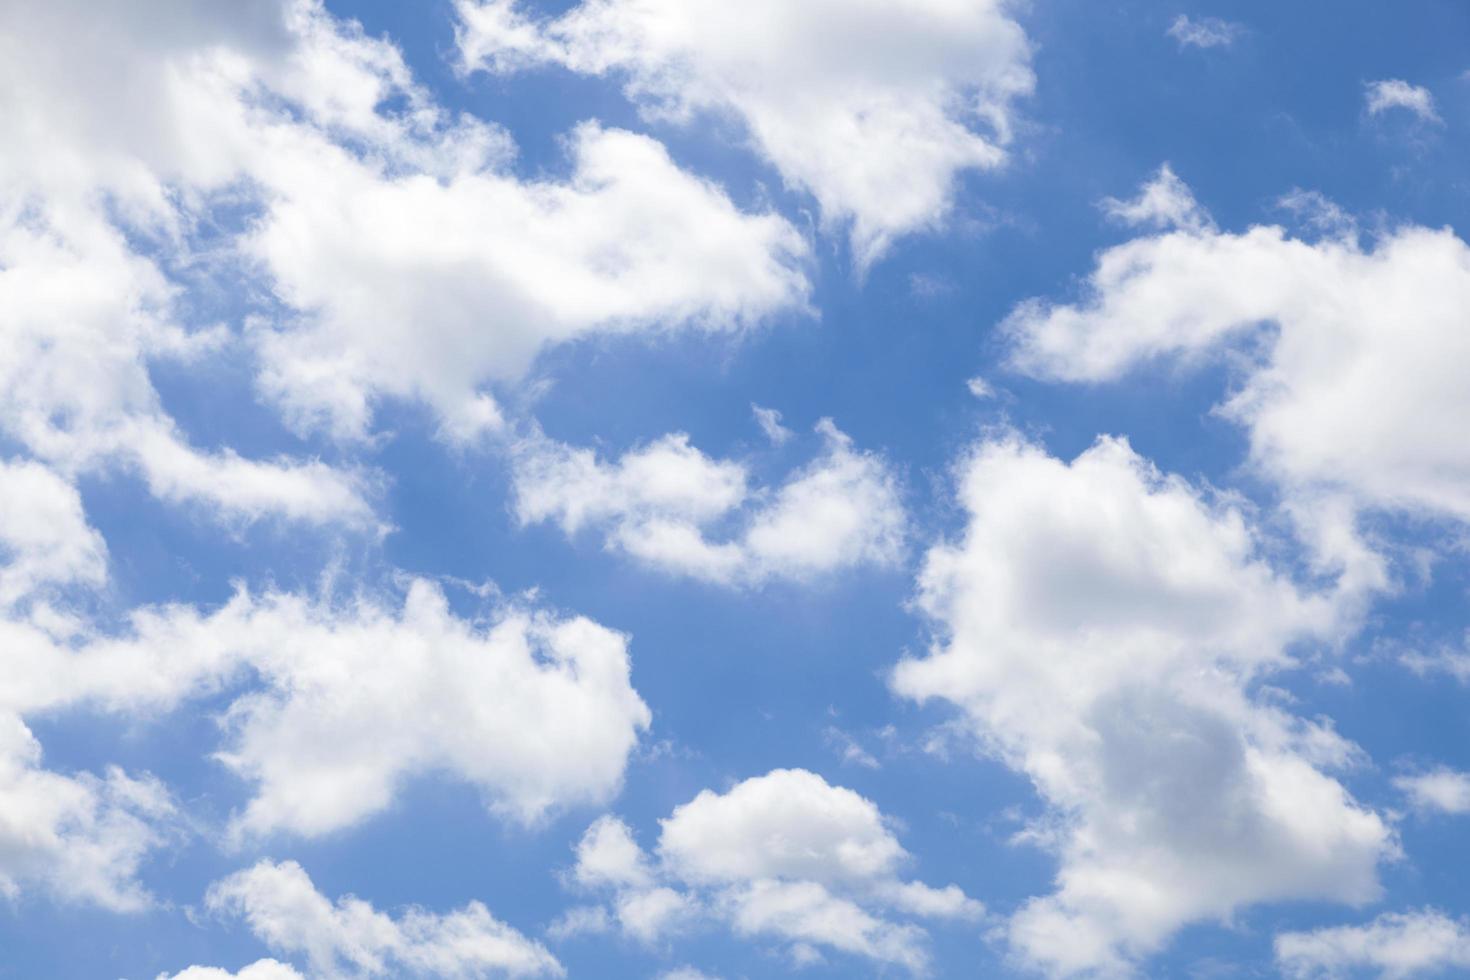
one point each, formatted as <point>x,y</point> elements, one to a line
<point>980,388</point>
<point>1318,212</point>
<point>583,920</point>
<point>1164,202</point>
<point>1207,32</point>
<point>852,753</point>
<point>926,286</point>
<point>1395,93</point>
<point>1440,791</point>
<point>770,422</point>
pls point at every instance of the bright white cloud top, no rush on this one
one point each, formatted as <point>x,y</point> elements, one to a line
<point>1100,624</point>
<point>874,109</point>
<point>1394,945</point>
<point>1350,405</point>
<point>657,503</point>
<point>785,856</point>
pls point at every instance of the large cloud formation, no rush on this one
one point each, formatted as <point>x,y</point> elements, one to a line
<point>1102,627</point>
<point>393,250</point>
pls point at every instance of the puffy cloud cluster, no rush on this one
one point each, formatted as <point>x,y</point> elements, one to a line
<point>535,710</point>
<point>875,109</point>
<point>80,838</point>
<point>1102,627</point>
<point>1394,946</point>
<point>350,938</point>
<point>84,316</point>
<point>1350,357</point>
<point>331,704</point>
<point>661,502</point>
<point>398,254</point>
<point>785,857</point>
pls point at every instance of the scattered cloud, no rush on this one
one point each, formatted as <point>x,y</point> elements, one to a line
<point>1437,791</point>
<point>1395,93</point>
<point>770,422</point>
<point>349,938</point>
<point>1164,203</point>
<point>875,110</point>
<point>533,709</point>
<point>661,502</point>
<point>1204,32</point>
<point>1352,373</point>
<point>1395,946</point>
<point>784,856</point>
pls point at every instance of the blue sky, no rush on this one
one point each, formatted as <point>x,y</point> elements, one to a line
<point>672,489</point>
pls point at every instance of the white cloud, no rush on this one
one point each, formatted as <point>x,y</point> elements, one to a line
<point>84,316</point>
<point>1205,32</point>
<point>770,422</point>
<point>662,502</point>
<point>534,710</point>
<point>851,749</point>
<point>978,387</point>
<point>405,260</point>
<point>44,536</point>
<point>79,838</point>
<point>1165,202</point>
<point>259,970</point>
<point>1393,946</point>
<point>349,938</point>
<point>1350,359</point>
<point>1439,790</point>
<point>874,109</point>
<point>430,289</point>
<point>783,856</point>
<point>1100,624</point>
<point>1395,93</point>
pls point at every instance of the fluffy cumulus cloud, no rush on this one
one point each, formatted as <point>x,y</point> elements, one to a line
<point>1437,791</point>
<point>1350,356</point>
<point>79,838</point>
<point>1102,626</point>
<point>331,704</point>
<point>400,255</point>
<point>1395,93</point>
<point>668,505</point>
<point>350,698</point>
<point>784,857</point>
<point>1394,946</point>
<point>875,109</point>
<point>350,938</point>
<point>84,316</point>
<point>45,541</point>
